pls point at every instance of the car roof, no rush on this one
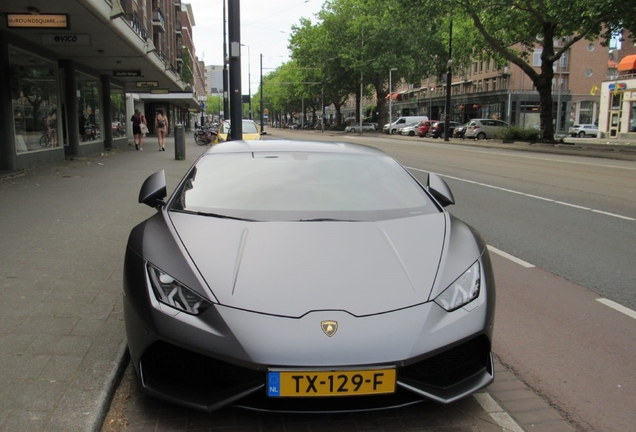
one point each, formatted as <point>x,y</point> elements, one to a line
<point>241,146</point>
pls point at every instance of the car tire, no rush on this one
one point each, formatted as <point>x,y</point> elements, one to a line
<point>481,136</point>
<point>581,134</point>
<point>411,133</point>
<point>393,131</point>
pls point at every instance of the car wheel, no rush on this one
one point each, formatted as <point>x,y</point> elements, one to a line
<point>481,136</point>
<point>411,133</point>
<point>393,131</point>
<point>581,134</point>
<point>352,130</point>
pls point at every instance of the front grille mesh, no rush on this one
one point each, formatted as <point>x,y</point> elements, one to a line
<point>452,366</point>
<point>186,369</point>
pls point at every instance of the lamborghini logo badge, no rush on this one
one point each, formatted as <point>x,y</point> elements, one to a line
<point>329,327</point>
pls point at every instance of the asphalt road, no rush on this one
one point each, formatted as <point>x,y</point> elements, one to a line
<point>568,223</point>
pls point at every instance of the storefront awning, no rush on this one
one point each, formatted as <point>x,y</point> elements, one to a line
<point>627,63</point>
<point>394,96</point>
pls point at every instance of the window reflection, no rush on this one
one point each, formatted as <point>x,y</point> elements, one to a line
<point>88,108</point>
<point>34,101</point>
<point>118,112</point>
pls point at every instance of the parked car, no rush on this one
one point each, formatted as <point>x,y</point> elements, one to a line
<point>401,122</point>
<point>224,303</point>
<point>438,129</point>
<point>459,131</point>
<point>410,129</point>
<point>584,130</point>
<point>366,127</point>
<point>424,128</point>
<point>251,131</point>
<point>484,128</point>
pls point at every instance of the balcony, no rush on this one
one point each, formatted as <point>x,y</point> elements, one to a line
<point>158,22</point>
<point>177,4</point>
<point>179,56</point>
<point>177,27</point>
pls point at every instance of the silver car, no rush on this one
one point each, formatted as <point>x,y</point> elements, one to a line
<point>411,129</point>
<point>484,128</point>
<point>584,130</point>
<point>306,276</point>
<point>366,127</point>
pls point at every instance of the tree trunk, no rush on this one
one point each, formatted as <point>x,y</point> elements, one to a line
<point>381,93</point>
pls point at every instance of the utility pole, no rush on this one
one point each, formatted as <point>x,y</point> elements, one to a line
<point>262,107</point>
<point>226,106</point>
<point>236,111</point>
<point>448,82</point>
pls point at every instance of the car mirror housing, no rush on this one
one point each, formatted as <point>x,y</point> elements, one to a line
<point>440,190</point>
<point>153,191</point>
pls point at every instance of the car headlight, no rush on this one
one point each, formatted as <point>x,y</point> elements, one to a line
<point>461,292</point>
<point>173,293</point>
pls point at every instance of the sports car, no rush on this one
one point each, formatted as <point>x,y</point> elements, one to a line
<point>306,276</point>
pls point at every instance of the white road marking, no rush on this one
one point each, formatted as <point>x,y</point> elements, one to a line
<point>497,413</point>
<point>506,153</point>
<point>510,257</point>
<point>622,309</point>
<point>529,195</point>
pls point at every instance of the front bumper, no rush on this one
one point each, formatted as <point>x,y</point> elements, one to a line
<point>221,357</point>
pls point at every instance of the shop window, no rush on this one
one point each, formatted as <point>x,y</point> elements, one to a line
<point>88,108</point>
<point>118,112</point>
<point>616,101</point>
<point>586,112</point>
<point>632,117</point>
<point>34,101</point>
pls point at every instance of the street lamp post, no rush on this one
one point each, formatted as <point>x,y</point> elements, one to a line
<point>448,82</point>
<point>390,100</point>
<point>249,78</point>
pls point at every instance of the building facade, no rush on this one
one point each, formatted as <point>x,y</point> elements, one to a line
<point>618,95</point>
<point>214,79</point>
<point>76,69</point>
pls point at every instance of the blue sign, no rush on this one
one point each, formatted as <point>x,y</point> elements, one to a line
<point>273,384</point>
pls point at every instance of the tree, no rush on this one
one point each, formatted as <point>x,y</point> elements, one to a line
<point>374,36</point>
<point>516,29</point>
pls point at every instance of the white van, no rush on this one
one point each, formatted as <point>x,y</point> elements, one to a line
<point>402,122</point>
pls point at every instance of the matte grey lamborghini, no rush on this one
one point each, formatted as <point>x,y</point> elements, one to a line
<point>304,276</point>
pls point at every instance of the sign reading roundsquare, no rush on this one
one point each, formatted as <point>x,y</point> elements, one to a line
<point>37,21</point>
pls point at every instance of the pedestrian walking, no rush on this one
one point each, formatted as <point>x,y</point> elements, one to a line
<point>138,131</point>
<point>161,128</point>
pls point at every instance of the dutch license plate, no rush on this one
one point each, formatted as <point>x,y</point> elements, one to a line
<point>330,383</point>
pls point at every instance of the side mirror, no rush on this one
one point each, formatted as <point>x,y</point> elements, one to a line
<point>440,190</point>
<point>153,191</point>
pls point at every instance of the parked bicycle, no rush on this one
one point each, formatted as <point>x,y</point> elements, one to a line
<point>46,139</point>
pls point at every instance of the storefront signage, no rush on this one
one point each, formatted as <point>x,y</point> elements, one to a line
<point>160,91</point>
<point>66,39</point>
<point>37,21</point>
<point>147,84</point>
<point>617,86</point>
<point>127,73</point>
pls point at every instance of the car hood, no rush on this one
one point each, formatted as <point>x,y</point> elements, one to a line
<point>293,268</point>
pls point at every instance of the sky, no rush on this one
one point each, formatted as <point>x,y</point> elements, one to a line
<point>265,28</point>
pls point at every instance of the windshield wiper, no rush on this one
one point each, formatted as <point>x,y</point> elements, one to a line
<point>222,216</point>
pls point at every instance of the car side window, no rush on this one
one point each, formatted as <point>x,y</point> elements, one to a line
<point>400,121</point>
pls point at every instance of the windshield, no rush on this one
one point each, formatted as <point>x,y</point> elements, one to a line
<point>301,186</point>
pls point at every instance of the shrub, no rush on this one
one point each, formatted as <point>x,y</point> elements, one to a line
<point>517,133</point>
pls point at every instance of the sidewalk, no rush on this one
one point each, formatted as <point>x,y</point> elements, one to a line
<point>64,229</point>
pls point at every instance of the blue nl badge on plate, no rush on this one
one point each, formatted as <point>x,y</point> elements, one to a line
<point>273,384</point>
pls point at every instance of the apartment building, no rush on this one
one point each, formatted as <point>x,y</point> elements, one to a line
<point>505,92</point>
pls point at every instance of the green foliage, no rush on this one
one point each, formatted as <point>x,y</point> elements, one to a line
<point>214,105</point>
<point>186,71</point>
<point>518,133</point>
